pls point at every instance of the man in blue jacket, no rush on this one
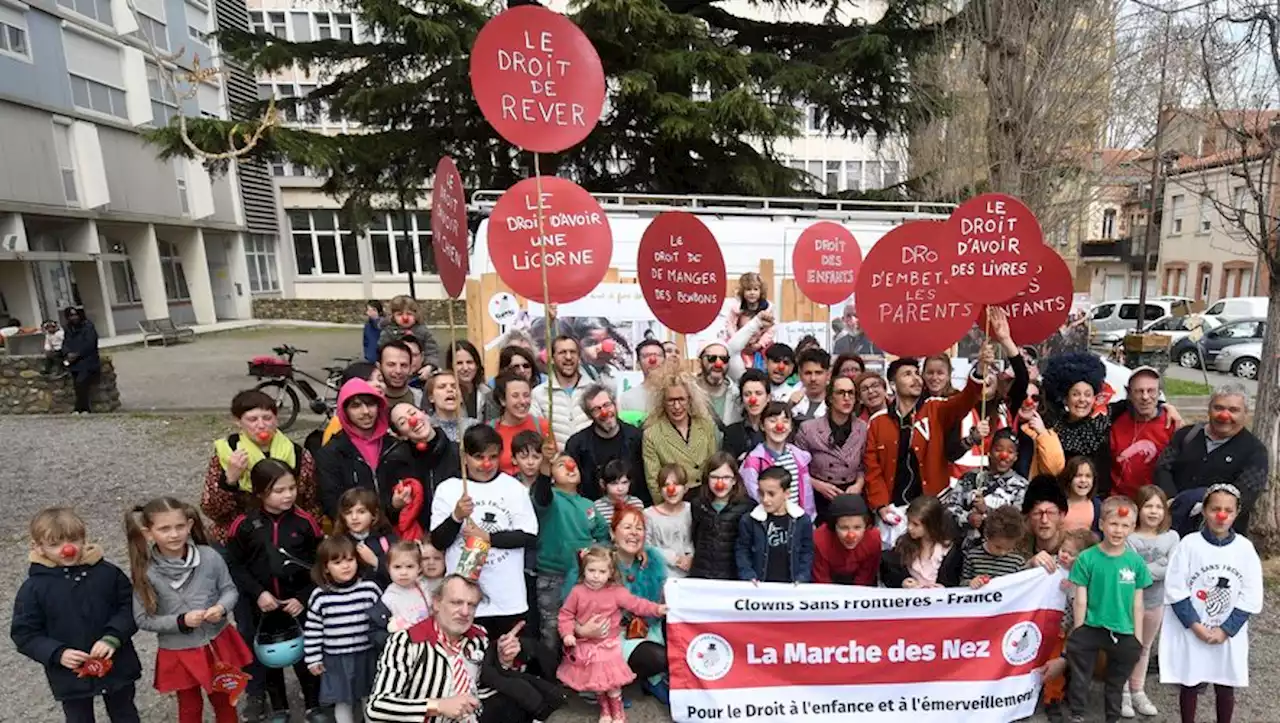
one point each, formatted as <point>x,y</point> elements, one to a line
<point>372,328</point>
<point>81,349</point>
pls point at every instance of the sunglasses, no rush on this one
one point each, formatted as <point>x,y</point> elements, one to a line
<point>713,358</point>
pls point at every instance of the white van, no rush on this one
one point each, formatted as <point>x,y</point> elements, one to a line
<point>1244,307</point>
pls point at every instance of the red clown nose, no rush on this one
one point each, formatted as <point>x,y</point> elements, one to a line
<point>1222,417</point>
<point>669,490</point>
<point>780,427</point>
<point>571,465</point>
<point>405,320</point>
<point>486,465</point>
<point>717,365</point>
<point>719,486</point>
<point>606,414</point>
<point>1004,456</point>
<point>608,346</point>
<point>850,537</point>
<point>1123,512</point>
<point>264,436</point>
<point>1028,403</point>
<point>421,446</point>
<point>414,422</point>
<point>69,550</point>
<point>1221,516</point>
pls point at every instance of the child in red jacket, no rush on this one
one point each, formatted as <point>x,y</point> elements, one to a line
<point>846,549</point>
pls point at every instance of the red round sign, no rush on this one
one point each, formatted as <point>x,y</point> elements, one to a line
<point>825,262</point>
<point>537,79</point>
<point>575,240</point>
<point>1040,311</point>
<point>989,248</point>
<point>449,227</point>
<point>681,272</point>
<point>904,301</point>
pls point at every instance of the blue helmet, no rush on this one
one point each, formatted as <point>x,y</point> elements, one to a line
<point>279,648</point>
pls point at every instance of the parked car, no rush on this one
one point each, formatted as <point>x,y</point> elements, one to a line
<point>1122,315</point>
<point>1174,327</point>
<point>1187,353</point>
<point>1244,307</point>
<point>1243,360</point>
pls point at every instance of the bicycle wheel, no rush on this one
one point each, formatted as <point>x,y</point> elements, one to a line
<point>287,404</point>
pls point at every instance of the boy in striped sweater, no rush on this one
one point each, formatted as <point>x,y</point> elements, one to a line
<point>336,641</point>
<point>998,554</point>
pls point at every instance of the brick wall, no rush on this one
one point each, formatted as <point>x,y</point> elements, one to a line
<point>24,389</point>
<point>350,311</point>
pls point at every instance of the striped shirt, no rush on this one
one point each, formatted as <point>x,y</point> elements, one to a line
<point>410,674</point>
<point>787,461</point>
<point>338,621</point>
<point>979,562</point>
<point>604,507</point>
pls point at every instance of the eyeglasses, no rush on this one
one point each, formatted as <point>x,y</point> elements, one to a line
<point>713,358</point>
<point>677,401</point>
<point>601,407</point>
<point>1050,512</point>
<point>843,393</point>
<point>721,477</point>
<point>519,365</point>
<point>870,386</point>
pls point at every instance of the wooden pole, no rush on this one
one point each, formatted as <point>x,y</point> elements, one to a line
<point>546,300</point>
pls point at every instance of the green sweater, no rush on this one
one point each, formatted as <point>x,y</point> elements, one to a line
<point>569,524</point>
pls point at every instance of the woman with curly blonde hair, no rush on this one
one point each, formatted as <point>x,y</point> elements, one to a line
<point>679,429</point>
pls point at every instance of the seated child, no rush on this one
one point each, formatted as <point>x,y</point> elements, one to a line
<point>979,492</point>
<point>1002,531</point>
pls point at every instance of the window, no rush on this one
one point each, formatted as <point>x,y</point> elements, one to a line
<point>151,29</point>
<point>92,95</point>
<point>1103,311</point>
<point>833,177</point>
<point>1241,330</point>
<point>164,104</point>
<point>814,119</point>
<point>124,285</point>
<point>270,23</point>
<point>1206,211</point>
<point>1239,200</point>
<point>13,33</point>
<point>1205,276</point>
<point>321,246</point>
<point>66,162</point>
<point>99,10</point>
<point>853,175</point>
<point>1108,224</point>
<point>180,175</point>
<point>815,175</point>
<point>1216,309</point>
<point>1151,311</point>
<point>96,74</point>
<point>260,254</point>
<point>334,25</point>
<point>892,173</point>
<point>175,281</point>
<point>395,251</point>
<point>197,21</point>
<point>873,175</point>
<point>1175,213</point>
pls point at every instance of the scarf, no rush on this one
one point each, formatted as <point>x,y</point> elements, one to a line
<point>281,449</point>
<point>175,570</point>
<point>840,432</point>
<point>460,680</point>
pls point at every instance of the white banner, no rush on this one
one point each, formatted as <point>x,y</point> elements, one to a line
<point>781,652</point>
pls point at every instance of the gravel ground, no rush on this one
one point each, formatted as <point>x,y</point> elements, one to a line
<point>134,457</point>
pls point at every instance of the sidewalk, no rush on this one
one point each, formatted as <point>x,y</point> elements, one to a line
<point>135,339</point>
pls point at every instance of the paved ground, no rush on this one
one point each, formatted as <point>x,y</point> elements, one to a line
<point>105,464</point>
<point>1215,378</point>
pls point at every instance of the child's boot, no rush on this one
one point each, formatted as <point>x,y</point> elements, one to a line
<point>1143,705</point>
<point>254,708</point>
<point>606,708</point>
<point>619,711</point>
<point>1126,703</point>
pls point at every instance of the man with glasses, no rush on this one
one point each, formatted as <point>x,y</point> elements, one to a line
<point>608,438</point>
<point>873,394</point>
<point>1139,434</point>
<point>650,356</point>
<point>565,384</point>
<point>714,380</point>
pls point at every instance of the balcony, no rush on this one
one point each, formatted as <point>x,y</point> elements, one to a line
<point>1103,250</point>
<point>1127,250</point>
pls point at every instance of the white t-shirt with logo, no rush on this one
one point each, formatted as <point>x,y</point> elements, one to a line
<point>502,505</point>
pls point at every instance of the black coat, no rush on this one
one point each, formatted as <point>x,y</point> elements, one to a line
<point>58,608</point>
<point>590,451</point>
<point>1186,464</point>
<point>739,439</point>
<point>438,462</point>
<point>273,553</point>
<point>893,572</point>
<point>340,468</point>
<point>80,345</point>
<point>715,536</point>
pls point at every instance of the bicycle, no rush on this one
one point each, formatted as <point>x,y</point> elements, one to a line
<point>283,384</point>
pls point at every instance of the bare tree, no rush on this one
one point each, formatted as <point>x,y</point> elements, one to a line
<point>1240,73</point>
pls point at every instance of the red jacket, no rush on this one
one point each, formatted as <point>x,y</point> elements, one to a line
<point>1135,447</point>
<point>834,563</point>
<point>928,440</point>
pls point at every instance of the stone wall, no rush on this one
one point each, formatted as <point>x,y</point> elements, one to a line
<point>24,389</point>
<point>350,311</point>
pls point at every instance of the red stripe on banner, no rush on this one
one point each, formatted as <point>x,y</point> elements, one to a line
<point>859,652</point>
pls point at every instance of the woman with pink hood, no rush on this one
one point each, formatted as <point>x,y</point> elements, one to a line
<point>364,453</point>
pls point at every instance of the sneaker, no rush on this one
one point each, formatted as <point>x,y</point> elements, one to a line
<point>1073,718</point>
<point>1126,705</point>
<point>254,708</point>
<point>1055,712</point>
<point>660,690</point>
<point>1143,705</point>
<point>319,714</point>
<point>281,716</point>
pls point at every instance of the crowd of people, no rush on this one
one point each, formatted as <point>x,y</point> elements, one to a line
<point>459,547</point>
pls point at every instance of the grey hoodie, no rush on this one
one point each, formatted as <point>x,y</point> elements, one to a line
<point>209,584</point>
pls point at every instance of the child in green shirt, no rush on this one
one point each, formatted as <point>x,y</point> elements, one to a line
<point>568,523</point>
<point>1109,580</point>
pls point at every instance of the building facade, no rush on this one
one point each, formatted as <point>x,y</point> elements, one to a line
<point>325,261</point>
<point>88,214</point>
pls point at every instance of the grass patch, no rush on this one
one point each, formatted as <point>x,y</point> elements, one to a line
<point>1183,388</point>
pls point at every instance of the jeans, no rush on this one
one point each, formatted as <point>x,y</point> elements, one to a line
<point>549,602</point>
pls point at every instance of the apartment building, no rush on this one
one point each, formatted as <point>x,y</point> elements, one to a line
<point>327,261</point>
<point>88,214</point>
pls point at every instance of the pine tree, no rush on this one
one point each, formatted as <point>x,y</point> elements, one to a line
<point>698,97</point>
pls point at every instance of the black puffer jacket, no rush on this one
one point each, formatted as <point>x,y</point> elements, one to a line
<point>715,535</point>
<point>340,467</point>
